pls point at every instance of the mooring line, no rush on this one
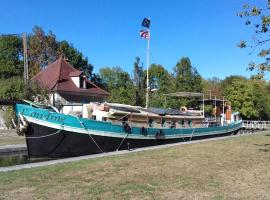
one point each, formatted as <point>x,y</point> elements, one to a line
<point>82,124</point>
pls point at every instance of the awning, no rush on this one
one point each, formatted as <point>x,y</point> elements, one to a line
<point>184,94</point>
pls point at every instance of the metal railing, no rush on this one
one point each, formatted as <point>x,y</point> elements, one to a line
<point>256,125</point>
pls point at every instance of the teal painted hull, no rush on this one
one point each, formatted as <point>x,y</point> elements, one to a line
<point>46,128</point>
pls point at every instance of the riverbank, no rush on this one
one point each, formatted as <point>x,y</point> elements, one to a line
<point>223,169</point>
<point>10,137</point>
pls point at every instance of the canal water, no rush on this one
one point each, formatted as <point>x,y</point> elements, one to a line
<point>12,160</point>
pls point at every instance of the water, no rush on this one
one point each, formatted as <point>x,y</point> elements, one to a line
<point>12,160</point>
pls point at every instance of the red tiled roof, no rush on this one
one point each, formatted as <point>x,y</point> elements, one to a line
<point>75,73</point>
<point>57,77</point>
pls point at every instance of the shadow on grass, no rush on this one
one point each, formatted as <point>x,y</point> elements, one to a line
<point>264,147</point>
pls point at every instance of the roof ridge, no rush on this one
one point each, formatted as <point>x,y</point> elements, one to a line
<point>41,71</point>
<point>59,74</point>
<point>96,85</point>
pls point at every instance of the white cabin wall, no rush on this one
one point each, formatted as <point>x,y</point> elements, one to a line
<point>57,98</point>
<point>72,110</point>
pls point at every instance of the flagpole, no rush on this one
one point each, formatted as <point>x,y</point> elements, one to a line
<point>147,72</point>
<point>146,35</point>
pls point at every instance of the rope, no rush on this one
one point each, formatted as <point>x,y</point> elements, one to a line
<point>123,117</point>
<point>122,142</point>
<point>82,124</point>
<point>192,134</point>
<point>44,136</point>
<point>182,134</point>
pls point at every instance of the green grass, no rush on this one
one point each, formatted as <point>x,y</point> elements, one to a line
<point>8,137</point>
<point>235,168</point>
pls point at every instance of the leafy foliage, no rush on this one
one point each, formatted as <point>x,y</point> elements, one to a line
<point>75,57</point>
<point>12,88</point>
<point>187,77</point>
<point>42,50</point>
<point>212,86</point>
<point>161,81</point>
<point>10,56</point>
<point>258,19</point>
<point>139,82</point>
<point>119,84</point>
<point>249,97</point>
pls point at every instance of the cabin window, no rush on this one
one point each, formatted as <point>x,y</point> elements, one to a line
<point>182,123</point>
<point>163,123</point>
<point>104,119</point>
<point>173,124</point>
<point>150,123</point>
<point>94,117</point>
<point>190,123</point>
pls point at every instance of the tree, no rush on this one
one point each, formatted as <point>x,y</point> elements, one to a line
<point>42,50</point>
<point>261,98</point>
<point>11,52</point>
<point>119,84</point>
<point>187,78</point>
<point>45,49</point>
<point>139,82</point>
<point>258,18</point>
<point>239,93</point>
<point>213,86</point>
<point>162,81</point>
<point>249,97</point>
<point>76,58</point>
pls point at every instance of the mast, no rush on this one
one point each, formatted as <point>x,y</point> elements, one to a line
<point>215,108</point>
<point>25,60</point>
<point>147,72</point>
<point>203,104</point>
<point>146,35</point>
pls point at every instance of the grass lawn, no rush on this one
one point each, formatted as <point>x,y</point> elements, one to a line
<point>235,168</point>
<point>10,137</point>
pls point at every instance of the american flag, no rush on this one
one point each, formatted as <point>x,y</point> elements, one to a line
<point>145,34</point>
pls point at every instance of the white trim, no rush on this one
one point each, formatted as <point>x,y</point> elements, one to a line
<point>114,134</point>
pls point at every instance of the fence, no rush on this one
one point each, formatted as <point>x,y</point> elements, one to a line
<point>256,125</point>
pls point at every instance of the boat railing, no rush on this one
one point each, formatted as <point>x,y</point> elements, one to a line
<point>255,124</point>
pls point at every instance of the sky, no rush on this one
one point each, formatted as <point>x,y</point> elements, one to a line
<point>107,31</point>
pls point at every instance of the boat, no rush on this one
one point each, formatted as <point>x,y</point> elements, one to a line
<point>106,127</point>
<point>103,127</point>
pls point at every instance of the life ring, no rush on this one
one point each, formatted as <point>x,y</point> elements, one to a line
<point>183,109</point>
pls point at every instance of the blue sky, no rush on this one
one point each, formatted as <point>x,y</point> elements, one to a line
<point>107,31</point>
